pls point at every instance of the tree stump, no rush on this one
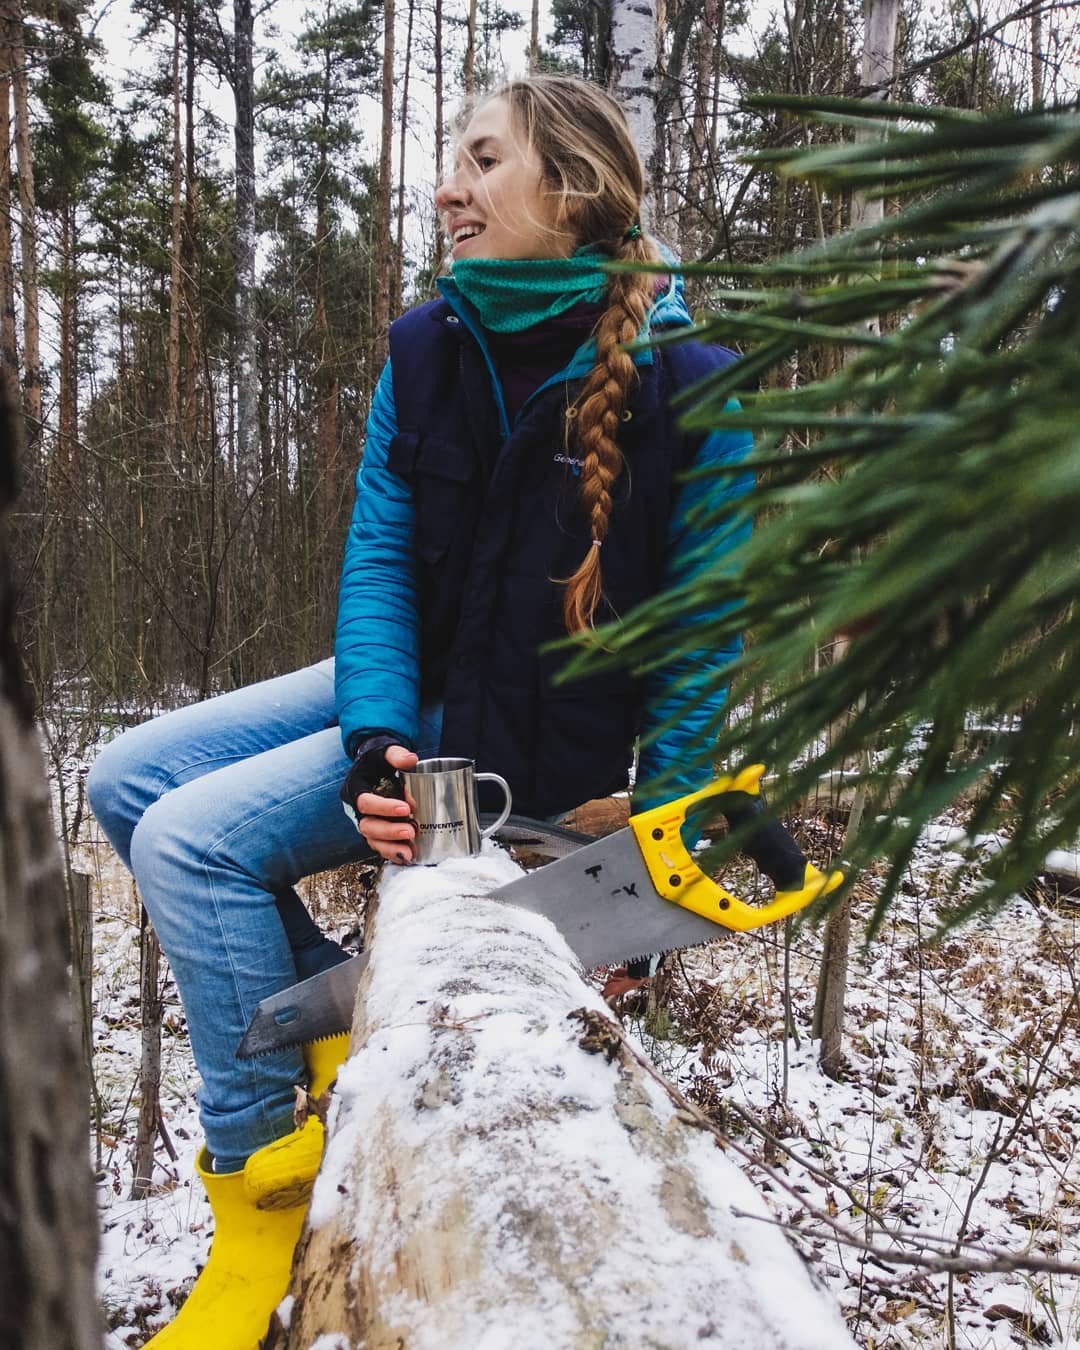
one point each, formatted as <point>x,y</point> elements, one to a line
<point>500,1170</point>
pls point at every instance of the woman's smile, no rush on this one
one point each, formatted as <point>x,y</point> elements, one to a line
<point>495,203</point>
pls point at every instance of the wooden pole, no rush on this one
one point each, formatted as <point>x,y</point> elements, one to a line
<point>82,962</point>
<point>150,1004</point>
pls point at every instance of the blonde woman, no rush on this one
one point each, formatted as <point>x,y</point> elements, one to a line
<point>522,478</point>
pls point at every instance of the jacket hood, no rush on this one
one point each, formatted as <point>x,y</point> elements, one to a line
<point>669,308</point>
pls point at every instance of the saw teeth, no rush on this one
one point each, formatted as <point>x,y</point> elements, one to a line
<point>647,956</point>
<point>277,1049</point>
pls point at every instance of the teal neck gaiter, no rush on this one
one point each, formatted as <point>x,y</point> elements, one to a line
<point>511,295</point>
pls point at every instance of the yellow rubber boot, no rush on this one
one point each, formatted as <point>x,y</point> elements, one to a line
<point>282,1173</point>
<point>258,1215</point>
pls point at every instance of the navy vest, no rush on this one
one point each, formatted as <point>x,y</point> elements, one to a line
<point>498,524</point>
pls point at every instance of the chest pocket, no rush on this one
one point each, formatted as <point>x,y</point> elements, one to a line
<point>445,486</point>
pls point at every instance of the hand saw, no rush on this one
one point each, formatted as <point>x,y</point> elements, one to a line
<point>636,891</point>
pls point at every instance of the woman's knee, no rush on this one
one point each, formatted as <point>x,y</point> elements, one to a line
<point>111,792</point>
<point>164,845</point>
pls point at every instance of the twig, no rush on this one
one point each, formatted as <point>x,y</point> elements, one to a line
<point>979,1260</point>
<point>976,1258</point>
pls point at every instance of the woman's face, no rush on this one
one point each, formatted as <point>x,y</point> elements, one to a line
<point>494,203</point>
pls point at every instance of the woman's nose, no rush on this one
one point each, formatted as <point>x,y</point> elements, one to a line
<point>450,192</point>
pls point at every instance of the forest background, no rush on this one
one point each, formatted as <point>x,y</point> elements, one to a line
<point>197,348</point>
<point>200,254</point>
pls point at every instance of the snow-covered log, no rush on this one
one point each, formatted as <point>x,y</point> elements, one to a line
<point>500,1171</point>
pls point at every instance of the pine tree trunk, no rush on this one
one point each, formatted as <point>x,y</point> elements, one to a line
<point>9,346</point>
<point>440,134</point>
<point>189,427</point>
<point>172,360</point>
<point>48,1220</point>
<point>247,377</point>
<point>383,238</point>
<point>11,12</point>
<point>399,243</point>
<point>501,1167</point>
<point>1036,59</point>
<point>470,52</point>
<point>326,380</point>
<point>877,69</point>
<point>67,438</point>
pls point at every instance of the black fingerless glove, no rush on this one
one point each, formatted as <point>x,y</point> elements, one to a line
<point>370,771</point>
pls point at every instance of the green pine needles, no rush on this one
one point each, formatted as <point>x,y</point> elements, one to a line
<point>923,501</point>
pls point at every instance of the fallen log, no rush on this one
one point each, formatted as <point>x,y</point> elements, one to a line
<point>488,1181</point>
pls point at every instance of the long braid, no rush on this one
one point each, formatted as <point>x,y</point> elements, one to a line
<point>600,406</point>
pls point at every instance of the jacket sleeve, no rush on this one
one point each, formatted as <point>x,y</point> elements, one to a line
<point>376,668</point>
<point>681,716</point>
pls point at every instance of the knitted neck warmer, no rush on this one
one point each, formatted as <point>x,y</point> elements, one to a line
<point>511,295</point>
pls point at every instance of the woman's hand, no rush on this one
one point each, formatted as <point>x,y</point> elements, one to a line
<point>385,821</point>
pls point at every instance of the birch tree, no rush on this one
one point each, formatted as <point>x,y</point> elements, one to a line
<point>634,58</point>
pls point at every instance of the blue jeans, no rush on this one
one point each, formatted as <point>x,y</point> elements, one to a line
<point>219,809</point>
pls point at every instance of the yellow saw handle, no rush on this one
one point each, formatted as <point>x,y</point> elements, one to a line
<point>678,878</point>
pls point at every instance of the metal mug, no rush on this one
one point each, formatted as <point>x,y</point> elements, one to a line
<point>445,808</point>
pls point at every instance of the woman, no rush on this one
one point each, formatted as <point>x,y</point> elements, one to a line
<point>521,479</point>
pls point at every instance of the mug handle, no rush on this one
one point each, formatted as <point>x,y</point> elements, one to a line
<point>501,821</point>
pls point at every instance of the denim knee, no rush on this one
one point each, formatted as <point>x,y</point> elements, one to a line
<point>168,848</point>
<point>109,792</point>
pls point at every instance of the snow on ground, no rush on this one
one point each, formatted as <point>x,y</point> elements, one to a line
<point>956,1051</point>
<point>959,1113</point>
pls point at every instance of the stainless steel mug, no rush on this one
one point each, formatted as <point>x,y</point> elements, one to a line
<point>445,808</point>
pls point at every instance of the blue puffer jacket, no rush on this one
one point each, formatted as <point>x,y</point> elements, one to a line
<point>379,621</point>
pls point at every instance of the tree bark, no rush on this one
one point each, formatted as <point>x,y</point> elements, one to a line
<point>470,52</point>
<point>67,437</point>
<point>151,1009</point>
<point>9,347</point>
<point>247,378</point>
<point>634,79</point>
<point>879,45</point>
<point>176,290</point>
<point>48,1221</point>
<point>383,243</point>
<point>440,136</point>
<point>190,430</point>
<point>487,1178</point>
<point>399,241</point>
<point>11,11</point>
<point>327,386</point>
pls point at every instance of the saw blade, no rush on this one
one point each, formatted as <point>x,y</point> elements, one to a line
<point>537,836</point>
<point>599,896</point>
<point>602,900</point>
<point>308,1011</point>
